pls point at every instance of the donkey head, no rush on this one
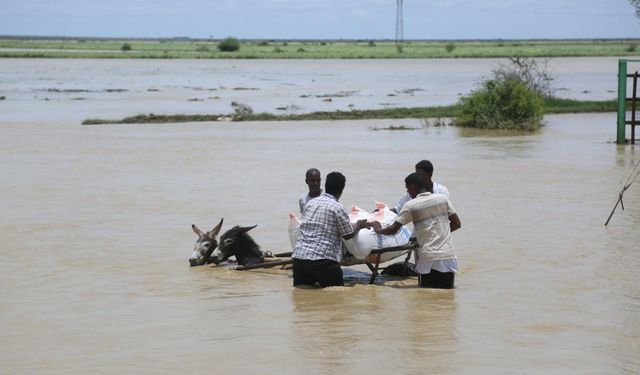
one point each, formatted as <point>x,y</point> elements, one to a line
<point>236,242</point>
<point>205,245</point>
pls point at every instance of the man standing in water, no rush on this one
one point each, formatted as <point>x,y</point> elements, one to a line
<point>425,168</point>
<point>434,218</point>
<point>316,256</point>
<point>313,180</point>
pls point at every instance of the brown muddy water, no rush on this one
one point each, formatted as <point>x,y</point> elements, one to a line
<point>95,230</point>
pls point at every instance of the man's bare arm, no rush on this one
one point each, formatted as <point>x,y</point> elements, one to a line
<point>360,224</point>
<point>455,222</point>
<point>391,229</point>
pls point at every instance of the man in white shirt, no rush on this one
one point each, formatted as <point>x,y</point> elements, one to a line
<point>434,219</point>
<point>425,168</point>
<point>313,179</point>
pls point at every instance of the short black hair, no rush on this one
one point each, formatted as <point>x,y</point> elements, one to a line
<point>415,179</point>
<point>334,183</point>
<point>426,166</point>
<point>311,171</point>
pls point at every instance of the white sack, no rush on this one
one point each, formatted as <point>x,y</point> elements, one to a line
<point>365,240</point>
<point>294,229</point>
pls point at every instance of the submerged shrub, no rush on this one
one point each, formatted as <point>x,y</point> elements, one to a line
<point>229,44</point>
<point>532,72</point>
<point>502,104</point>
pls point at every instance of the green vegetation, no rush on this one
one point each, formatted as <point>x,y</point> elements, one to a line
<point>126,47</point>
<point>154,119</point>
<point>393,127</point>
<point>313,49</point>
<point>557,105</point>
<point>551,105</point>
<point>502,104</point>
<point>450,47</point>
<point>636,4</point>
<point>229,44</point>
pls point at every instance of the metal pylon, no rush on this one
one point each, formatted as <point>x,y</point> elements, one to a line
<point>399,26</point>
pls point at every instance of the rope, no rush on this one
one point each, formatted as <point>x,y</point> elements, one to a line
<point>632,177</point>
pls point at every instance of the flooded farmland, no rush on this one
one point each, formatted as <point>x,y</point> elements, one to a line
<point>96,223</point>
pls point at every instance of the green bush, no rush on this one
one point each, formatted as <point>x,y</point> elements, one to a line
<point>229,44</point>
<point>450,47</point>
<point>502,104</point>
<point>126,47</point>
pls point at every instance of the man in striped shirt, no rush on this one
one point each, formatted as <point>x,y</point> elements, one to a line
<point>434,218</point>
<point>316,256</point>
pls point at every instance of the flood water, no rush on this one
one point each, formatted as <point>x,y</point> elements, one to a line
<point>96,232</point>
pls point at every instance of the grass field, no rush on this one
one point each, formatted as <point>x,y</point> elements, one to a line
<point>311,49</point>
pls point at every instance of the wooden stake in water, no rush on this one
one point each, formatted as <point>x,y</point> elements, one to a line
<point>616,206</point>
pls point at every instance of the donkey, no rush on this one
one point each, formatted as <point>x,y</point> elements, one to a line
<point>236,242</point>
<point>205,245</point>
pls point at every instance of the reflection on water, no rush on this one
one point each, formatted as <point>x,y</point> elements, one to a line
<point>96,230</point>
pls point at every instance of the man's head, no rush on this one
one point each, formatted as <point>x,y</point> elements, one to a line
<point>425,168</point>
<point>334,184</point>
<point>414,184</point>
<point>313,180</point>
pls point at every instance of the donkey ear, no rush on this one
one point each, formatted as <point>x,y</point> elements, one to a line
<point>246,229</point>
<point>216,229</point>
<point>196,230</point>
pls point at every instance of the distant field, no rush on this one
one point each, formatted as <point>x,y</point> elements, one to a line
<point>316,49</point>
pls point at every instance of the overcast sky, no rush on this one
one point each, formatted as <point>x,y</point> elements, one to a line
<point>328,19</point>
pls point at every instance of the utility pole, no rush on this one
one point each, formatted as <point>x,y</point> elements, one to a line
<point>399,26</point>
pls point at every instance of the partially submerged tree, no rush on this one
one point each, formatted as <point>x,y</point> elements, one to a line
<point>511,99</point>
<point>501,103</point>
<point>636,4</point>
<point>533,73</point>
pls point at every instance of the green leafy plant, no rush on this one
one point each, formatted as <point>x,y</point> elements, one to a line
<point>502,104</point>
<point>450,47</point>
<point>229,44</point>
